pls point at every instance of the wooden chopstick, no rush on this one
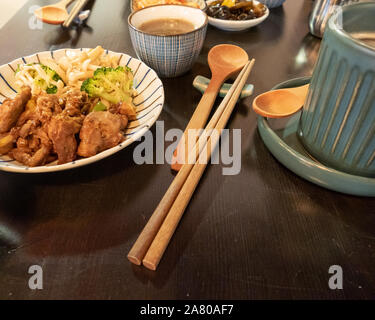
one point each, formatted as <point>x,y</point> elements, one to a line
<point>165,233</point>
<point>146,237</point>
<point>140,247</point>
<point>75,11</point>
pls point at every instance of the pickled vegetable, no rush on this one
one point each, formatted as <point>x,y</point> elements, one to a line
<point>235,10</point>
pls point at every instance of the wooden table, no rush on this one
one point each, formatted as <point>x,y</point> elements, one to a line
<point>265,233</point>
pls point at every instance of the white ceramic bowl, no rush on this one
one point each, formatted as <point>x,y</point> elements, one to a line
<point>148,101</point>
<point>234,25</point>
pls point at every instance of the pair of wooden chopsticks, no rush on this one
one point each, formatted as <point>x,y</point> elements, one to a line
<point>155,237</point>
<point>75,11</point>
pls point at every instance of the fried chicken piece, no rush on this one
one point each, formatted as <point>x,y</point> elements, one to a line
<point>11,109</point>
<point>47,105</point>
<point>23,144</point>
<point>101,130</point>
<point>34,150</point>
<point>124,120</point>
<point>31,159</point>
<point>26,129</point>
<point>29,113</point>
<point>75,101</point>
<point>121,110</point>
<point>128,110</point>
<point>60,118</point>
<point>62,130</point>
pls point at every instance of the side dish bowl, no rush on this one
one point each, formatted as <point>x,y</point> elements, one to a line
<point>148,101</point>
<point>236,25</point>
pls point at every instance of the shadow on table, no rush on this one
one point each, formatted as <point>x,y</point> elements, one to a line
<point>14,215</point>
<point>78,211</point>
<point>310,199</point>
<point>60,35</point>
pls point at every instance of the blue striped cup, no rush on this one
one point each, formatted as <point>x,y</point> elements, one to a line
<point>173,55</point>
<point>337,125</point>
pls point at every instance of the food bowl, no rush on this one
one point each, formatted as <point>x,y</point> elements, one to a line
<point>236,25</point>
<point>169,55</point>
<point>148,102</point>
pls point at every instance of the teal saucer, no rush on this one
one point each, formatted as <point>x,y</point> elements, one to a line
<point>280,137</point>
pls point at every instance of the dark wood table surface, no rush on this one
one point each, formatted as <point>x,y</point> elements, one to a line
<point>265,233</point>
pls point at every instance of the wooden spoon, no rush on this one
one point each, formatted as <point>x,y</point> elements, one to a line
<point>54,14</point>
<point>281,102</point>
<point>224,60</point>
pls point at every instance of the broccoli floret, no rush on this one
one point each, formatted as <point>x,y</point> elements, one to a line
<point>51,89</point>
<point>47,87</point>
<point>112,84</point>
<point>52,73</point>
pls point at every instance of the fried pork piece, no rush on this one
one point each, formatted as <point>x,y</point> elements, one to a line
<point>62,130</point>
<point>31,159</point>
<point>121,110</point>
<point>47,127</point>
<point>76,102</point>
<point>128,110</point>
<point>29,113</point>
<point>34,150</point>
<point>63,126</point>
<point>101,130</point>
<point>26,129</point>
<point>124,120</point>
<point>11,109</point>
<point>47,105</point>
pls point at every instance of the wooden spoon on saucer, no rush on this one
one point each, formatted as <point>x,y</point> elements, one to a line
<point>280,103</point>
<point>224,61</point>
<point>54,14</point>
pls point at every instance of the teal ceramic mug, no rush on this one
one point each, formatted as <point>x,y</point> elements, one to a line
<point>337,125</point>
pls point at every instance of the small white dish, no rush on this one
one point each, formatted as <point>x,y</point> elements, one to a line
<point>235,25</point>
<point>148,101</point>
